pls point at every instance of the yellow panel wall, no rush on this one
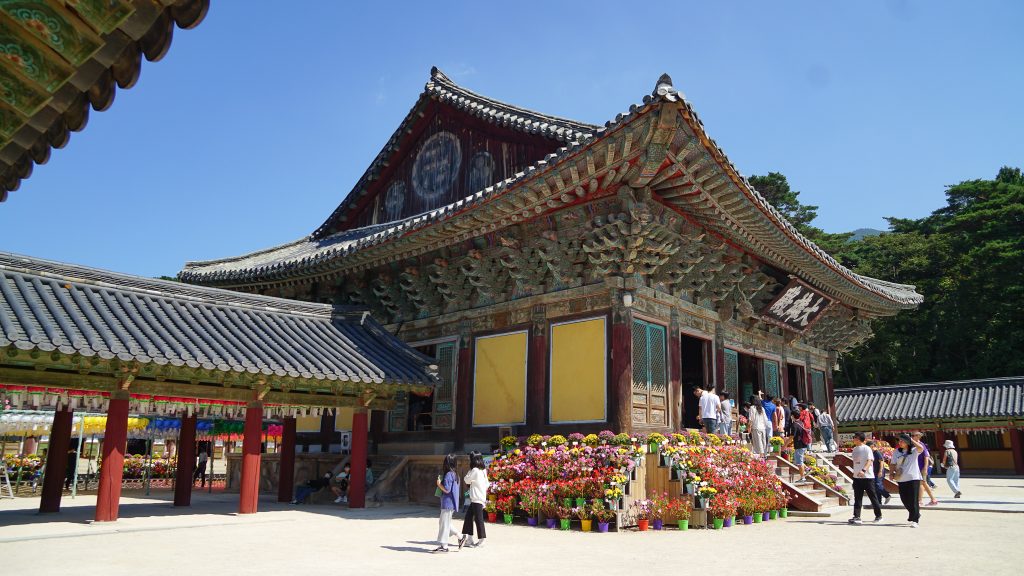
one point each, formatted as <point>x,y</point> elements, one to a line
<point>307,424</point>
<point>499,380</point>
<point>579,359</point>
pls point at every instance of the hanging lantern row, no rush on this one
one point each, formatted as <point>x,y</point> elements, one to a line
<point>35,398</point>
<point>38,423</point>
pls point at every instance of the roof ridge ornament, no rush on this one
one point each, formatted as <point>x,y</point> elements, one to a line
<point>437,76</point>
<point>665,90</point>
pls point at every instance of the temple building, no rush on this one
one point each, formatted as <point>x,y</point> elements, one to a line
<point>568,276</point>
<point>984,418</point>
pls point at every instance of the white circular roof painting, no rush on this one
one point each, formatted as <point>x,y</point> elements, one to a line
<point>480,172</point>
<point>394,201</point>
<point>436,168</point>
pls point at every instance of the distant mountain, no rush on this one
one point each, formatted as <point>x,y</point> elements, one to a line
<point>860,233</point>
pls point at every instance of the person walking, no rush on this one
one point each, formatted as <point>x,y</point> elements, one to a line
<point>880,468</point>
<point>827,429</point>
<point>757,421</point>
<point>951,462</point>
<point>709,408</point>
<point>200,472</point>
<point>725,415</point>
<point>478,483</point>
<point>448,485</point>
<point>801,441</point>
<point>778,419</point>
<point>863,479</point>
<point>769,414</point>
<point>907,473</point>
<point>924,461</point>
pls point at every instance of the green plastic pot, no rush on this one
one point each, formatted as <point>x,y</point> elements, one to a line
<point>563,523</point>
<point>717,523</point>
<point>784,513</point>
<point>773,514</point>
<point>684,524</point>
<point>581,502</point>
<point>508,518</point>
<point>758,516</point>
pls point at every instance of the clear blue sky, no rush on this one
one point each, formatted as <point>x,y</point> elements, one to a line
<point>258,122</point>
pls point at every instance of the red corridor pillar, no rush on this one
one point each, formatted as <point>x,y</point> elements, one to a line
<point>115,441</point>
<point>1017,447</point>
<point>537,367</point>
<point>250,486</point>
<point>186,462</point>
<point>357,484</point>
<point>56,461</point>
<point>622,375</point>
<point>286,478</point>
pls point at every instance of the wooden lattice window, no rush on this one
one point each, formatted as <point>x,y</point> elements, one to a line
<point>732,375</point>
<point>650,374</point>
<point>819,396</point>
<point>439,415</point>
<point>771,379</point>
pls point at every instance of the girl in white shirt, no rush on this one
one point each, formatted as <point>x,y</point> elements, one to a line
<point>478,483</point>
<point>908,475</point>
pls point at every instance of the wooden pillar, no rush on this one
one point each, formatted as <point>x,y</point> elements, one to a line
<point>378,422</point>
<point>357,482</point>
<point>537,366</point>
<point>186,462</point>
<point>719,383</point>
<point>830,392</point>
<point>940,439</point>
<point>250,482</point>
<point>286,478</point>
<point>675,374</point>
<point>784,378</point>
<point>1017,446</point>
<point>56,461</point>
<point>463,391</point>
<point>622,373</point>
<point>327,429</point>
<point>115,442</point>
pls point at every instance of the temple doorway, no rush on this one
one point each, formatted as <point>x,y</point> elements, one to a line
<point>695,369</point>
<point>795,378</point>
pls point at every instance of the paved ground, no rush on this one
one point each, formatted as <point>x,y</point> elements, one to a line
<point>288,540</point>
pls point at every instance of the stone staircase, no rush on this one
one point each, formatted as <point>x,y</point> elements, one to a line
<point>809,495</point>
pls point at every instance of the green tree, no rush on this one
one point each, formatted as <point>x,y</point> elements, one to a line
<point>967,259</point>
<point>775,188</point>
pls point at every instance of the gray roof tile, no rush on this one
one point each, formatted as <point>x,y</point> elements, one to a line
<point>961,400</point>
<point>50,306</point>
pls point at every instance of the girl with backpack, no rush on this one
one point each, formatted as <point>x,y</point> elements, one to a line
<point>951,462</point>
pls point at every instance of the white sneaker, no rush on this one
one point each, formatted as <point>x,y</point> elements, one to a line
<point>877,520</point>
<point>339,499</point>
<point>856,521</point>
<point>344,500</point>
<point>887,498</point>
<point>913,524</point>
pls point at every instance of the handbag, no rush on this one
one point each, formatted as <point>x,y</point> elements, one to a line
<point>437,491</point>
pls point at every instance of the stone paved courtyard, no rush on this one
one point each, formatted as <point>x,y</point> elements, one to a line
<point>152,537</point>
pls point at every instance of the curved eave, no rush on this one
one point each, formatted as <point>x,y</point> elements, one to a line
<point>113,37</point>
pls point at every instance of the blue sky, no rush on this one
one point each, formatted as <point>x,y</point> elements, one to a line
<point>258,122</point>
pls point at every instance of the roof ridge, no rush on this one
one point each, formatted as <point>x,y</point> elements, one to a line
<point>436,75</point>
<point>85,275</point>
<point>977,382</point>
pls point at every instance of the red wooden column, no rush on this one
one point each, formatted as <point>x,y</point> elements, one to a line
<point>463,392</point>
<point>286,479</point>
<point>56,461</point>
<point>250,488</point>
<point>537,362</point>
<point>186,462</point>
<point>830,391</point>
<point>719,383</point>
<point>675,375</point>
<point>1017,446</point>
<point>357,483</point>
<point>115,442</point>
<point>940,439</point>
<point>622,374</point>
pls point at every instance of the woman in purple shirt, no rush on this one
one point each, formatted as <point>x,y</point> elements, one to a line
<point>448,484</point>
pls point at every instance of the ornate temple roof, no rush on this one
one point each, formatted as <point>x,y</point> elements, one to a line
<point>60,58</point>
<point>660,144</point>
<point>84,312</point>
<point>992,398</point>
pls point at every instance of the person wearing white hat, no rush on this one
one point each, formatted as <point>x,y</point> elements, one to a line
<point>951,462</point>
